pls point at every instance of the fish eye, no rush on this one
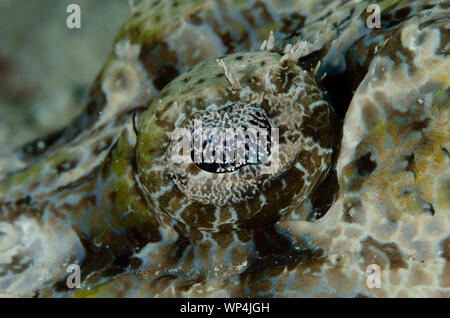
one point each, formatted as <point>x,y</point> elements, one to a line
<point>236,150</point>
<point>238,136</point>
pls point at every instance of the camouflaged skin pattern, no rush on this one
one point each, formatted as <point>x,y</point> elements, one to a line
<point>81,198</point>
<point>284,94</point>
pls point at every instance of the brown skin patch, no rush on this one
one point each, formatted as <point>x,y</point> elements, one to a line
<point>97,99</point>
<point>151,55</point>
<point>371,115</point>
<point>292,23</point>
<point>392,256</point>
<point>244,236</point>
<point>27,207</point>
<point>227,41</point>
<point>224,239</point>
<point>444,278</point>
<point>18,265</point>
<point>23,201</point>
<point>166,74</point>
<point>199,214</point>
<point>421,125</point>
<point>411,164</point>
<point>39,146</point>
<point>402,13</point>
<point>194,19</point>
<point>264,14</point>
<point>365,165</point>
<point>226,228</point>
<point>401,57</point>
<point>66,165</point>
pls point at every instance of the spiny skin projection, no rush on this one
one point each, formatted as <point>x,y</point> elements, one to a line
<point>104,192</point>
<point>253,193</point>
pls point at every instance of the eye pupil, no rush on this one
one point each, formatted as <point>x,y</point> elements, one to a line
<point>240,137</point>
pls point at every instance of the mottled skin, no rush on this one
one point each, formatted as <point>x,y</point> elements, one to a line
<point>292,102</point>
<point>86,194</point>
